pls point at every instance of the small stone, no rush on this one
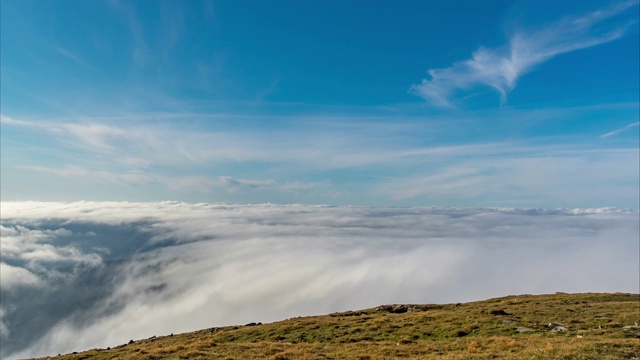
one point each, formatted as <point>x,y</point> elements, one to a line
<point>559,329</point>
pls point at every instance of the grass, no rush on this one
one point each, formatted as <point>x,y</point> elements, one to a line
<point>598,326</point>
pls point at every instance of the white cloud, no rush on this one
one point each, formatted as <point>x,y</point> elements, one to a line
<point>35,248</point>
<point>13,276</point>
<point>525,175</point>
<point>207,184</point>
<point>6,120</point>
<point>69,55</point>
<point>622,129</point>
<point>4,330</point>
<point>192,266</point>
<point>321,162</point>
<point>95,134</point>
<point>72,171</point>
<point>500,68</point>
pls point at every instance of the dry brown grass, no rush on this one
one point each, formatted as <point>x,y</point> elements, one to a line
<point>479,330</point>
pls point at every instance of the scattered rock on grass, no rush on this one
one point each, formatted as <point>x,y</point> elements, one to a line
<point>559,329</point>
<point>394,309</point>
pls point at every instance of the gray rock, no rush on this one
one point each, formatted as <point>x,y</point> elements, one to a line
<point>559,329</point>
<point>498,312</point>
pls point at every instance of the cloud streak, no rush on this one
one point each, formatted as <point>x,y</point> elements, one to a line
<point>620,130</point>
<point>143,269</point>
<point>500,68</point>
<point>71,171</point>
<point>309,161</point>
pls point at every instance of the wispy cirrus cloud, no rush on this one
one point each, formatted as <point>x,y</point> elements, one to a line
<point>127,12</point>
<point>6,120</point>
<point>232,185</point>
<point>620,130</point>
<point>500,68</point>
<point>74,171</point>
<point>313,161</point>
<point>70,55</point>
<point>532,176</point>
<point>207,184</point>
<point>184,184</point>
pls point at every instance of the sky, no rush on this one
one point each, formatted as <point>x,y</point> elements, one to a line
<point>169,166</point>
<point>418,103</point>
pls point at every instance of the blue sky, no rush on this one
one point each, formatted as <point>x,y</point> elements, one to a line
<point>493,103</point>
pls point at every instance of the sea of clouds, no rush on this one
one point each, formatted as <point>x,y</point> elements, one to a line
<point>82,275</point>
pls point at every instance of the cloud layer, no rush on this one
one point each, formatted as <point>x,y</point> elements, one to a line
<point>347,161</point>
<point>87,274</point>
<point>500,68</point>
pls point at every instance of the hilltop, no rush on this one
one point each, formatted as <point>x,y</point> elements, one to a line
<point>559,326</point>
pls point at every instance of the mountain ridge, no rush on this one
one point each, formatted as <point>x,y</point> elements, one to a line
<point>563,326</point>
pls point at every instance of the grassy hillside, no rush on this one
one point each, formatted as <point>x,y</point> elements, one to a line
<point>560,326</point>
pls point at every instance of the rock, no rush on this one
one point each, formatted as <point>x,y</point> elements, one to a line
<point>630,330</point>
<point>498,312</point>
<point>131,341</point>
<point>404,341</point>
<point>351,313</point>
<point>522,329</point>
<point>559,329</point>
<point>400,309</point>
<point>251,324</point>
<point>461,333</point>
<point>394,309</point>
